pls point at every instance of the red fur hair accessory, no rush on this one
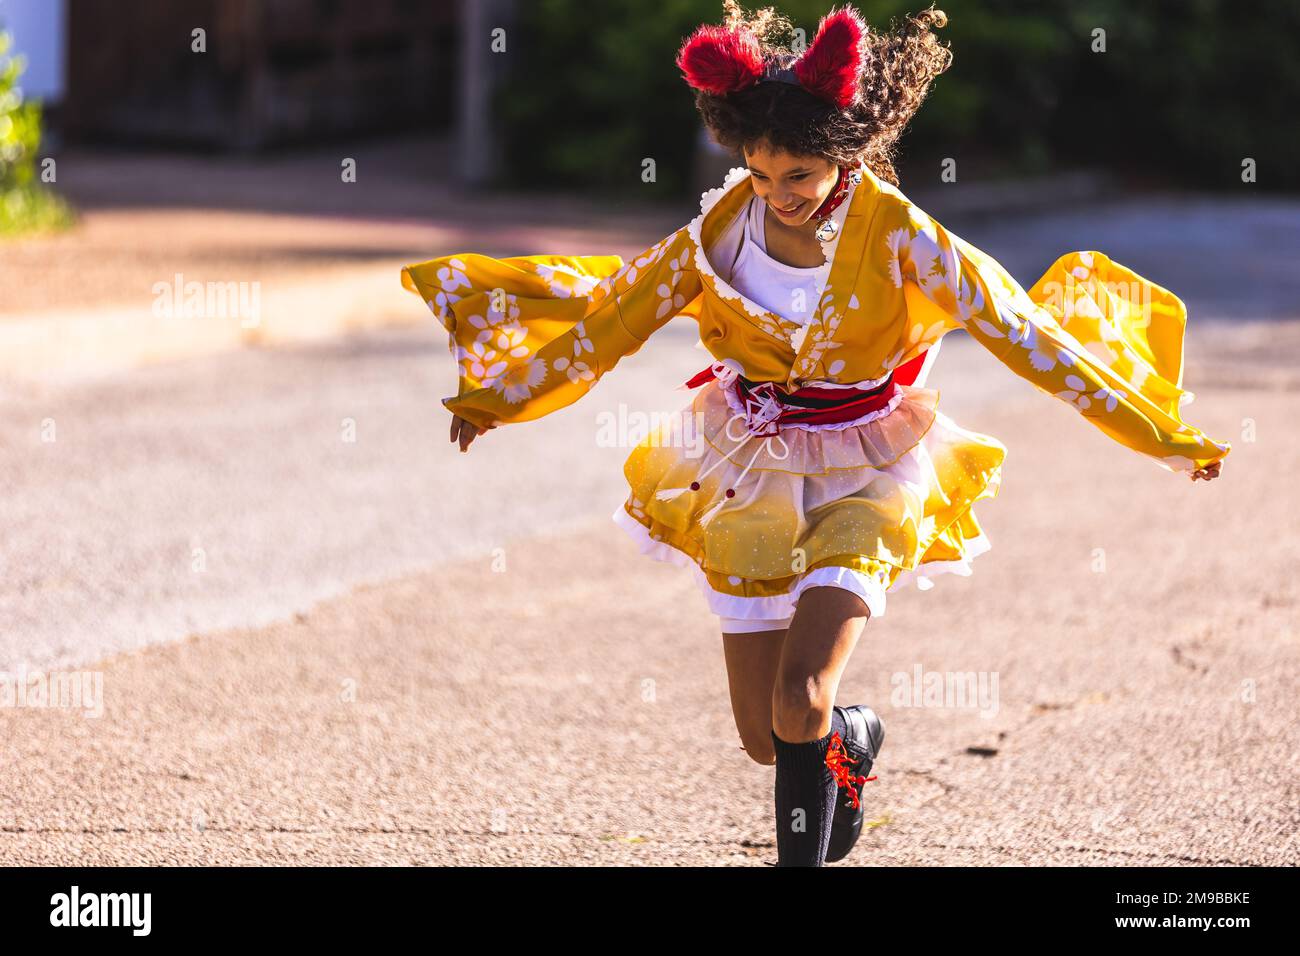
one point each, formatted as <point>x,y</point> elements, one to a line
<point>722,61</point>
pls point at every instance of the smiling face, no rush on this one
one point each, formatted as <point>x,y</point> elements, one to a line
<point>794,186</point>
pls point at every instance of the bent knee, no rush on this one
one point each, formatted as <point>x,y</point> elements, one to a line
<point>801,704</point>
<point>761,752</point>
<point>756,740</point>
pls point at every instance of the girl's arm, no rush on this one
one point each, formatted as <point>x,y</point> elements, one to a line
<point>1091,332</point>
<point>533,334</point>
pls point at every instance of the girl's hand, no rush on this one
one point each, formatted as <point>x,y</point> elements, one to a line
<point>465,432</point>
<point>1208,472</point>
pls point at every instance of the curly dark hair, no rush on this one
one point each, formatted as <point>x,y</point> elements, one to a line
<point>900,66</point>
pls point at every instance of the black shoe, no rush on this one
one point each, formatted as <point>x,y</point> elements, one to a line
<point>861,747</point>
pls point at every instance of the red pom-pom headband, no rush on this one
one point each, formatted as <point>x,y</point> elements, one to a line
<point>722,61</point>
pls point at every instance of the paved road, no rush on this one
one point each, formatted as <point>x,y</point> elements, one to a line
<point>572,707</point>
<point>238,490</point>
<point>149,505</point>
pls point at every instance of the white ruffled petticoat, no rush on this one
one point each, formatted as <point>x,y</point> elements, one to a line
<point>740,614</point>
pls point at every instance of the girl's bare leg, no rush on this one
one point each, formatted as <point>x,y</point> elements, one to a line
<point>827,624</point>
<point>752,663</point>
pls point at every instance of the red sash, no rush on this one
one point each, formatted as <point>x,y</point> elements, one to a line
<point>768,406</point>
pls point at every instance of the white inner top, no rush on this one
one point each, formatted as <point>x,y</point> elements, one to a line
<point>789,291</point>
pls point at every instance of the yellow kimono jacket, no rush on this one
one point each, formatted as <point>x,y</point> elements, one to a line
<point>533,334</point>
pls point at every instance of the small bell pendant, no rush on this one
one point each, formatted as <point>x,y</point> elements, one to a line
<point>826,230</point>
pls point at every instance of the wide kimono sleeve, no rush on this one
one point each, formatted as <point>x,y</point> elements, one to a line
<point>1091,332</point>
<point>533,334</point>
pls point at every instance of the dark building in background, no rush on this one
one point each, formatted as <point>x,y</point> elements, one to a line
<point>275,71</point>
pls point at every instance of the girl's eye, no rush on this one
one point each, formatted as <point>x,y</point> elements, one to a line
<point>799,176</point>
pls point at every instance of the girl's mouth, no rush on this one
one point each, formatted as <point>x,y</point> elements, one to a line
<point>789,213</point>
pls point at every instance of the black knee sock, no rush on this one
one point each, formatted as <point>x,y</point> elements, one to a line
<point>805,798</point>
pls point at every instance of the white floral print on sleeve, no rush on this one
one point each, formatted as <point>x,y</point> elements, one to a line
<point>1090,332</point>
<point>533,334</point>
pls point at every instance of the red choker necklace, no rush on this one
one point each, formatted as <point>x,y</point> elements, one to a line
<point>827,227</point>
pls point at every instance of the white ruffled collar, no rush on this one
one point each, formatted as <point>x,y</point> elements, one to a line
<point>724,289</point>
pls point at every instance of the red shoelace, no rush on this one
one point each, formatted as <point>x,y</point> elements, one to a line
<point>837,759</point>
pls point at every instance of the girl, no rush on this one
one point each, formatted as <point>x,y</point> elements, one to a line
<point>828,475</point>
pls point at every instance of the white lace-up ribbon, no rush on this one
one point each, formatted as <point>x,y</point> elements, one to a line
<point>762,409</point>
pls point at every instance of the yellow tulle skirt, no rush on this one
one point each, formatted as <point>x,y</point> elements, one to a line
<point>867,506</point>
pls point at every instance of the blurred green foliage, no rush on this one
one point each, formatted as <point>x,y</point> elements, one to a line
<point>1185,90</point>
<point>25,205</point>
